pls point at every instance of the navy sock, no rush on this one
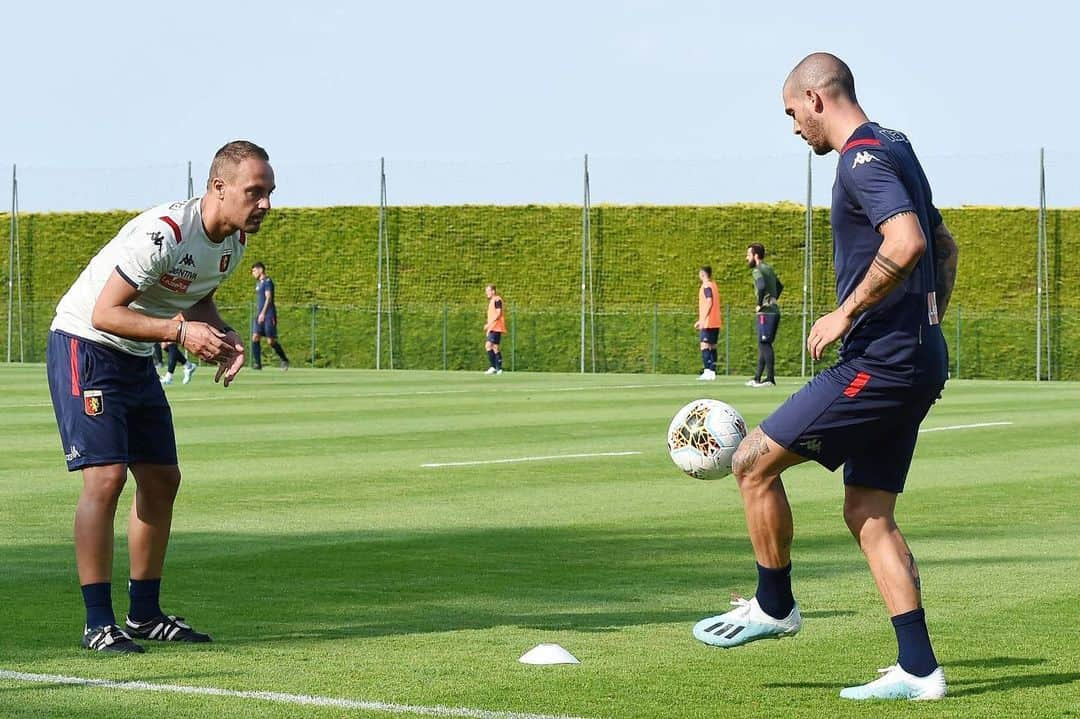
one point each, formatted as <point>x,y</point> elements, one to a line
<point>498,360</point>
<point>491,357</point>
<point>256,353</point>
<point>705,359</point>
<point>712,359</point>
<point>98,600</point>
<point>774,591</point>
<point>916,656</point>
<point>280,350</point>
<point>144,594</point>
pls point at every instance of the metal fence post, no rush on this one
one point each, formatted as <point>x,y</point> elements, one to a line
<point>445,319</point>
<point>314,344</point>
<point>513,341</point>
<point>727,339</point>
<point>959,316</point>
<point>655,329</point>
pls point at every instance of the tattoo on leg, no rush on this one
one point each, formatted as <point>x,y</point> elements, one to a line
<point>913,570</point>
<point>750,450</point>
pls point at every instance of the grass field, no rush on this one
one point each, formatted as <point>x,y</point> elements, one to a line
<point>326,561</point>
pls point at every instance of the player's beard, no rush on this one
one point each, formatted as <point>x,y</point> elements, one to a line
<point>814,134</point>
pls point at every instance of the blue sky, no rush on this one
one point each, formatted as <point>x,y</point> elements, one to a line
<point>676,102</point>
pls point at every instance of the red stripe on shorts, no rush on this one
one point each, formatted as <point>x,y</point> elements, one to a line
<point>857,384</point>
<point>74,356</point>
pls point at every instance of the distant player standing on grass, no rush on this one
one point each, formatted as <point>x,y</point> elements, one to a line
<point>708,323</point>
<point>895,267</point>
<point>494,329</point>
<point>176,357</point>
<point>153,282</point>
<point>767,287</point>
<point>265,322</point>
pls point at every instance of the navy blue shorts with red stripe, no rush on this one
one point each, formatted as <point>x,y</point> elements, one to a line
<point>110,407</point>
<point>860,415</point>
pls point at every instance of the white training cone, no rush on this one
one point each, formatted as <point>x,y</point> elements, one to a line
<point>548,654</point>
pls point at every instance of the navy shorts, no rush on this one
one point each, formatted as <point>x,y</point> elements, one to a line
<point>494,337</point>
<point>710,335</point>
<point>266,328</point>
<point>767,323</point>
<point>858,414</point>
<point>110,406</point>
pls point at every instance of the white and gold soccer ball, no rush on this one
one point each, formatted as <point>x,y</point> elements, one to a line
<point>703,436</point>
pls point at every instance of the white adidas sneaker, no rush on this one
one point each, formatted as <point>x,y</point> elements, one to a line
<point>746,623</point>
<point>895,683</point>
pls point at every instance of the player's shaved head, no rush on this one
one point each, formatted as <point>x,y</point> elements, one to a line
<point>825,73</point>
<point>231,155</point>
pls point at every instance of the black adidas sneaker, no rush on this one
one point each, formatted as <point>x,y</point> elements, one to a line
<point>109,638</point>
<point>164,629</point>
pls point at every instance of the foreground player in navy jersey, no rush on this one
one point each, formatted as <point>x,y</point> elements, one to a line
<point>895,267</point>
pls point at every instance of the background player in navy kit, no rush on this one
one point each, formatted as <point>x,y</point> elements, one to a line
<point>153,282</point>
<point>895,267</point>
<point>265,323</point>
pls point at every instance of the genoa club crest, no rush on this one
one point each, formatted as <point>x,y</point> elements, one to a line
<point>93,402</point>
<point>225,259</point>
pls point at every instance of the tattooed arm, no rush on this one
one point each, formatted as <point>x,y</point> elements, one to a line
<point>945,257</point>
<point>900,250</point>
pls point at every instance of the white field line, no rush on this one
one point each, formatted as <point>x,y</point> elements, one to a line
<point>964,426</point>
<point>277,697</point>
<point>543,458</point>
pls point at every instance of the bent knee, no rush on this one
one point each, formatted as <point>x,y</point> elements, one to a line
<point>746,463</point>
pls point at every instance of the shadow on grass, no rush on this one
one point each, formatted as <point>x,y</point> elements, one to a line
<point>247,588</point>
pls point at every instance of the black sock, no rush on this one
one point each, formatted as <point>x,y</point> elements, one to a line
<point>705,359</point>
<point>145,594</point>
<point>280,350</point>
<point>760,361</point>
<point>498,360</point>
<point>98,600</point>
<point>770,362</point>
<point>915,655</point>
<point>175,358</point>
<point>774,591</point>
<point>712,359</point>
<point>256,353</point>
<point>491,358</point>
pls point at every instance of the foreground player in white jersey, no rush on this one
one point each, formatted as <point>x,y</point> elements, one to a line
<point>153,282</point>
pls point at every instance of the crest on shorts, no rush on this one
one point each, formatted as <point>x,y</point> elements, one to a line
<point>93,402</point>
<point>226,257</point>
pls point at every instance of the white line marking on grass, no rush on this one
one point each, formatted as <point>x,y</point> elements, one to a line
<point>277,697</point>
<point>543,458</point>
<point>964,426</point>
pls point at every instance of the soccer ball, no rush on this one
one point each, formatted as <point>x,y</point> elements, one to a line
<point>703,437</point>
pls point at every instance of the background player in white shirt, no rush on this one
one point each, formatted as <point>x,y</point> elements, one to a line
<point>153,282</point>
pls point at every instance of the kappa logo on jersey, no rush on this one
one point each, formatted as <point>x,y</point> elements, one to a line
<point>156,237</point>
<point>226,257</point>
<point>861,158</point>
<point>188,261</point>
<point>93,402</point>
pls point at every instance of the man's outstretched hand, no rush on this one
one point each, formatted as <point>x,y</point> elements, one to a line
<point>230,363</point>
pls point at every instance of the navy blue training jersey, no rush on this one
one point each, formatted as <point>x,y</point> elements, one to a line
<point>878,177</point>
<point>261,288</point>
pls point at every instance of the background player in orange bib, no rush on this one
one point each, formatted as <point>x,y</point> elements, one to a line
<point>709,322</point>
<point>494,327</point>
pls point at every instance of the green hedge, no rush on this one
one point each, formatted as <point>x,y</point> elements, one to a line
<point>645,261</point>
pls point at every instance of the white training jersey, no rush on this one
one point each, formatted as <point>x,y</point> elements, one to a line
<point>165,254</point>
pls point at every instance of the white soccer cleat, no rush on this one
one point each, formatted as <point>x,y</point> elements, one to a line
<point>498,371</point>
<point>189,369</point>
<point>746,623</point>
<point>752,383</point>
<point>166,378</point>
<point>895,683</point>
<point>491,370</point>
<point>707,375</point>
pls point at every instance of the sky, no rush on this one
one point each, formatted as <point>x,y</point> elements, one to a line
<point>477,102</point>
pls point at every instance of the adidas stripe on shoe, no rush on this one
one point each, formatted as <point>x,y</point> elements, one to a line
<point>746,623</point>
<point>165,629</point>
<point>109,638</point>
